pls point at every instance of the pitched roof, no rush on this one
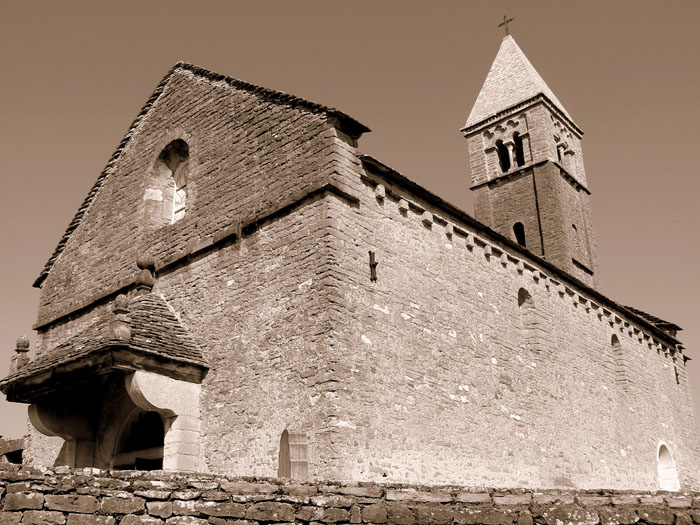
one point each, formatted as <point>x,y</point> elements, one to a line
<point>512,79</point>
<point>155,330</point>
<point>347,123</point>
<point>654,324</point>
<point>656,321</point>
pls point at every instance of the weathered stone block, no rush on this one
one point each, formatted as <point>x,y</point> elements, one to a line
<point>484,516</point>
<point>244,488</point>
<point>355,516</point>
<point>625,499</point>
<point>512,499</point>
<point>334,515</point>
<point>371,491</point>
<point>549,499</point>
<point>90,519</point>
<point>139,520</point>
<point>10,518</point>
<point>22,486</point>
<point>332,501</point>
<point>658,516</point>
<point>299,490</point>
<point>184,508</point>
<point>566,514</point>
<point>473,497</point>
<point>215,495</point>
<point>23,500</point>
<point>434,514</point>
<point>185,520</point>
<point>122,505</point>
<point>43,517</point>
<point>270,511</point>
<point>375,513</point>
<point>525,518</point>
<point>418,496</point>
<point>621,516</point>
<point>399,514</point>
<point>212,508</point>
<point>186,494</point>
<point>153,494</point>
<point>308,513</point>
<point>72,503</point>
<point>204,485</point>
<point>678,502</point>
<point>161,509</point>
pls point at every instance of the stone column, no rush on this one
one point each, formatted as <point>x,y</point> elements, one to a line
<point>178,402</point>
<point>74,425</point>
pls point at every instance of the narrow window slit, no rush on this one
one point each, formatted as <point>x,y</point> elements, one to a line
<point>372,267</point>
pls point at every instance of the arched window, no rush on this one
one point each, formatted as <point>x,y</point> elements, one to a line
<point>525,299</point>
<point>140,442</point>
<point>503,156</point>
<point>668,475</point>
<point>175,158</point>
<point>519,232</point>
<point>518,151</point>
<point>619,363</point>
<point>294,456</point>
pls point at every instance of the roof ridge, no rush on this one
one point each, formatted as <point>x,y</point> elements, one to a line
<point>352,125</point>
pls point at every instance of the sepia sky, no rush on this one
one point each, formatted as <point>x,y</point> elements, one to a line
<point>76,73</point>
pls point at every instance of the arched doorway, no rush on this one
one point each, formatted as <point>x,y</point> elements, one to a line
<point>668,475</point>
<point>140,442</point>
<point>294,456</point>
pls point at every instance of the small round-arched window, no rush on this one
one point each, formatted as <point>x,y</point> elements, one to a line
<point>174,158</point>
<point>668,475</point>
<point>519,232</point>
<point>140,442</point>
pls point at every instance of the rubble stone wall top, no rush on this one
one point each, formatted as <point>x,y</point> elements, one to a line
<point>63,496</point>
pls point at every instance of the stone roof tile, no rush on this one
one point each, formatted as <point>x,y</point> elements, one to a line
<point>155,330</point>
<point>512,79</point>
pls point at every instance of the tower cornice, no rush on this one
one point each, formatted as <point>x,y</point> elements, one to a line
<point>539,98</point>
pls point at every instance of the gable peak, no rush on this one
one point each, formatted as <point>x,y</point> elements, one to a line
<point>511,80</point>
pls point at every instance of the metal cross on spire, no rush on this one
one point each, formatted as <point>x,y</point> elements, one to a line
<point>505,23</point>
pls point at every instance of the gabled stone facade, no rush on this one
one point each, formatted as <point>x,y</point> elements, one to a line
<point>248,287</point>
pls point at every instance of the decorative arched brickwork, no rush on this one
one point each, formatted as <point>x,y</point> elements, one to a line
<point>621,378</point>
<point>531,322</point>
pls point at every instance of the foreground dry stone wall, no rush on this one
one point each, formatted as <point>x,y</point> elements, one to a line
<point>63,496</point>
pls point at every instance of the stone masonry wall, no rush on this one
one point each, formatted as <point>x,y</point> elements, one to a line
<point>93,497</point>
<point>448,383</point>
<point>248,157</point>
<point>257,307</point>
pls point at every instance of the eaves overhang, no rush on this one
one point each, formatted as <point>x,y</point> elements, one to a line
<point>30,384</point>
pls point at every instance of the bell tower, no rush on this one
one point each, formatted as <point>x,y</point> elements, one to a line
<point>527,170</point>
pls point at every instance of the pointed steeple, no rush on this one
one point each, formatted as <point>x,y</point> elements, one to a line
<point>526,165</point>
<point>512,79</point>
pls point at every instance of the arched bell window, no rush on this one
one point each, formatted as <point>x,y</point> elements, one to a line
<point>140,442</point>
<point>503,156</point>
<point>518,151</point>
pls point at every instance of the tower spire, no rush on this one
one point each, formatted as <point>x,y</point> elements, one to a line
<point>526,164</point>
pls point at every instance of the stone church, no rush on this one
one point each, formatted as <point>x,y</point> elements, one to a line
<point>244,292</point>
